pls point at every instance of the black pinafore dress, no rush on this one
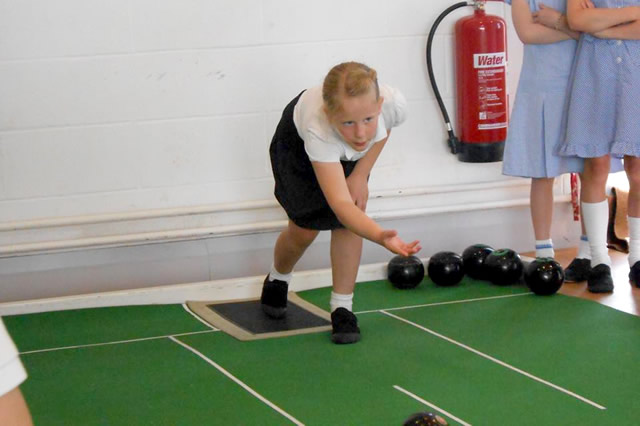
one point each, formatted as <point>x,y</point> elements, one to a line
<point>296,186</point>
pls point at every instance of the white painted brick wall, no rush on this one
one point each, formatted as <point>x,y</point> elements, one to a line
<point>142,104</point>
<point>126,106</point>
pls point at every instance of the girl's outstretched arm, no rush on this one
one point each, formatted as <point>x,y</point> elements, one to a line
<point>541,27</point>
<point>334,187</point>
<point>585,18</point>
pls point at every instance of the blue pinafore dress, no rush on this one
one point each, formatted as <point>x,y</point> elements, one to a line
<point>537,122</point>
<point>604,104</point>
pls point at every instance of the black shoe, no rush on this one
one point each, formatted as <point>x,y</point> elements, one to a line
<point>345,326</point>
<point>274,297</point>
<point>634,274</point>
<point>600,280</point>
<point>577,271</point>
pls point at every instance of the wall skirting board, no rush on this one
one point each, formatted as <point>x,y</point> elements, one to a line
<point>230,289</point>
<point>54,235</point>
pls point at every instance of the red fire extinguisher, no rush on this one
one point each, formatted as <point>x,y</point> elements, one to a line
<point>481,81</point>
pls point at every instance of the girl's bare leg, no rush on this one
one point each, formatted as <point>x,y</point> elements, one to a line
<point>346,250</point>
<point>290,246</point>
<point>542,207</point>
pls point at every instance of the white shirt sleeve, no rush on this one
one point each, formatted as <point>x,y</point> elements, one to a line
<point>12,372</point>
<point>394,108</point>
<point>321,150</point>
<point>323,144</point>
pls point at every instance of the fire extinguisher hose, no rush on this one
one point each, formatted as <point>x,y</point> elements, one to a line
<point>453,140</point>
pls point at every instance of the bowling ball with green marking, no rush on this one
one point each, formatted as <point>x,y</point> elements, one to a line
<point>504,267</point>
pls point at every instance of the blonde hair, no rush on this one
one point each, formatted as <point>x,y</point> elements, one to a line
<point>348,79</point>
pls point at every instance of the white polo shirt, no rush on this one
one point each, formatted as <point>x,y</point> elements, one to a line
<point>12,372</point>
<point>323,143</point>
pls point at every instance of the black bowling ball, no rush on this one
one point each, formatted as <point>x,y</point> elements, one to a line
<point>473,258</point>
<point>504,267</point>
<point>544,276</point>
<point>425,419</point>
<point>445,268</point>
<point>405,272</point>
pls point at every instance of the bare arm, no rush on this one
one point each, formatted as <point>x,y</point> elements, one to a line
<point>535,28</point>
<point>630,31</point>
<point>334,187</point>
<point>585,18</point>
<point>552,18</point>
<point>365,164</point>
<point>14,410</point>
<point>357,180</point>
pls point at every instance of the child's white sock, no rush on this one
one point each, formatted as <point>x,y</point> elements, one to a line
<point>634,240</point>
<point>596,221</point>
<point>275,275</point>
<point>341,301</point>
<point>544,248</point>
<point>584,251</point>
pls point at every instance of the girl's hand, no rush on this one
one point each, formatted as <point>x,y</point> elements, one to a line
<point>547,16</point>
<point>359,190</point>
<point>587,4</point>
<point>393,243</point>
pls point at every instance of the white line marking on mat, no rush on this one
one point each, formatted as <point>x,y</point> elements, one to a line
<point>428,404</point>
<point>89,345</point>
<point>497,361</point>
<point>238,381</point>
<point>452,302</point>
<point>196,316</point>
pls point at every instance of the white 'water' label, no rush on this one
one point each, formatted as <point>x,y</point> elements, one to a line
<point>489,60</point>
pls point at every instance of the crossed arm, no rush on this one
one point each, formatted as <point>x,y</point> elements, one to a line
<point>544,26</point>
<point>622,23</point>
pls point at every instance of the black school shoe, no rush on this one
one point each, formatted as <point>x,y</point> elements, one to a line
<point>634,274</point>
<point>600,280</point>
<point>274,298</point>
<point>577,271</point>
<point>345,327</point>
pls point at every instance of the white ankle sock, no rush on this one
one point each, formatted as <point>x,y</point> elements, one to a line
<point>584,251</point>
<point>596,221</point>
<point>634,240</point>
<point>341,301</point>
<point>544,248</point>
<point>275,275</point>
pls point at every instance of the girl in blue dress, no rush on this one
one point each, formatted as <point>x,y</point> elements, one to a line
<point>604,121</point>
<point>536,124</point>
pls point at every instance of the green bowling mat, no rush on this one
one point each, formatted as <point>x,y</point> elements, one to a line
<point>474,353</point>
